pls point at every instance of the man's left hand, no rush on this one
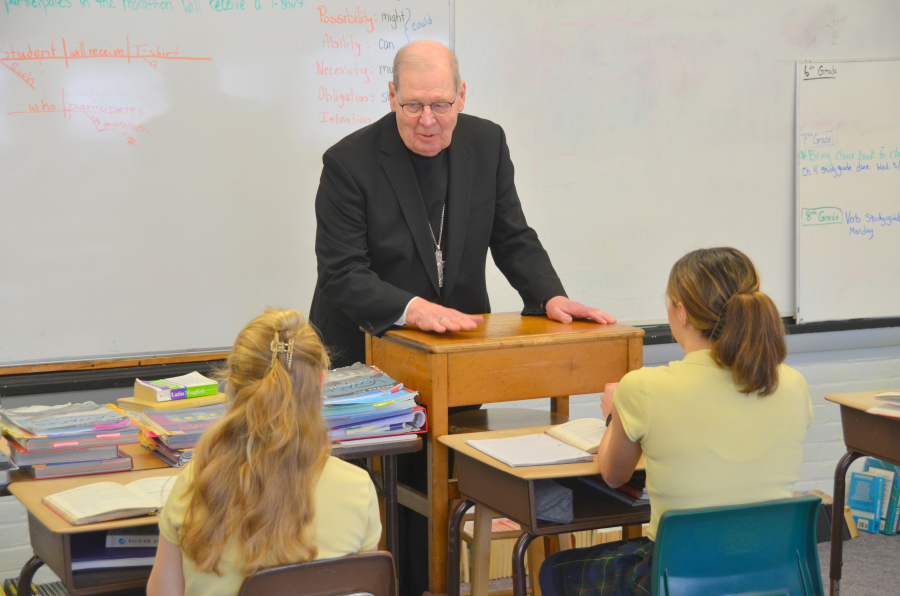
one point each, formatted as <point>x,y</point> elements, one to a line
<point>564,310</point>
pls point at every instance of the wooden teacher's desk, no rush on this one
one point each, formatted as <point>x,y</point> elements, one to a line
<point>865,435</point>
<point>508,491</point>
<point>509,357</point>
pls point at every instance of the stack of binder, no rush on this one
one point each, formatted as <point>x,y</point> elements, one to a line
<point>362,402</point>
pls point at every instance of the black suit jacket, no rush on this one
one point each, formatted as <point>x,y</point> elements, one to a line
<point>374,248</point>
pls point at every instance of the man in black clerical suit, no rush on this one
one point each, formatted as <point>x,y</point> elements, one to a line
<point>405,218</point>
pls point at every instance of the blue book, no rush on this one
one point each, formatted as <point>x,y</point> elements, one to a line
<point>890,507</point>
<point>865,500</point>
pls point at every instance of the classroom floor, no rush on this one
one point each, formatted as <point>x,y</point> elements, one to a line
<point>870,567</point>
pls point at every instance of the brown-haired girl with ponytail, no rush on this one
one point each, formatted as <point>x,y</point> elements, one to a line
<point>262,489</point>
<point>723,426</point>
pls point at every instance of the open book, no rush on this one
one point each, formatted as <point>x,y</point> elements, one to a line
<point>583,433</point>
<point>563,444</point>
<point>104,501</point>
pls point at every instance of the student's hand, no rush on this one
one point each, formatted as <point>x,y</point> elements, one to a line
<point>428,316</point>
<point>606,399</point>
<point>560,308</point>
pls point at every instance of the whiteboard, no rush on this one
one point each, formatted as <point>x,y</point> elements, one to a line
<point>159,160</point>
<point>639,130</point>
<point>848,190</point>
<point>642,130</point>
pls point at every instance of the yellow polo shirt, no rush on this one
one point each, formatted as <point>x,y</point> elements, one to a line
<point>346,521</point>
<point>707,444</point>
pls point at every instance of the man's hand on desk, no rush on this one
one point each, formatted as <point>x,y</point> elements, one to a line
<point>428,316</point>
<point>564,310</point>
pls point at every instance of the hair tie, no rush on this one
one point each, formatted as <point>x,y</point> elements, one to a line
<point>287,348</point>
<point>722,313</point>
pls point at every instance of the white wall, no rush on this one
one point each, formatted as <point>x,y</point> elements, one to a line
<point>831,362</point>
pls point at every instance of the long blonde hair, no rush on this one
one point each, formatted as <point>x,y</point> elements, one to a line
<point>256,469</point>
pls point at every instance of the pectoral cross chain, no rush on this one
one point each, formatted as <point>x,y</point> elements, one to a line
<point>438,255</point>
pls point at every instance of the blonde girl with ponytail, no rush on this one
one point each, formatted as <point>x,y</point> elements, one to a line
<point>723,426</point>
<point>262,489</point>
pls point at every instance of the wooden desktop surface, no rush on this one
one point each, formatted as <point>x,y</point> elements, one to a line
<point>458,444</point>
<point>863,400</point>
<point>509,330</point>
<point>31,493</point>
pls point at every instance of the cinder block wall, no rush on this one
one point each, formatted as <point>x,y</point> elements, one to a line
<point>831,362</point>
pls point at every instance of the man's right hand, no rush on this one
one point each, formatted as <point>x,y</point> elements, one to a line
<point>428,316</point>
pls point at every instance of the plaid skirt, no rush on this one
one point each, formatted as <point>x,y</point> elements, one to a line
<point>613,569</point>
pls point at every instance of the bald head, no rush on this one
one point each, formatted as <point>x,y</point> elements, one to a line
<point>426,55</point>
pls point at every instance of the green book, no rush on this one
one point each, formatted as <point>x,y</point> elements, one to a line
<point>184,387</point>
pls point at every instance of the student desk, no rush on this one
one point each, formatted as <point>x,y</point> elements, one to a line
<point>486,481</point>
<point>51,535</point>
<point>509,357</point>
<point>865,435</point>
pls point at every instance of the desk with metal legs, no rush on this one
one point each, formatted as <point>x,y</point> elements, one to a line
<point>508,491</point>
<point>865,435</point>
<point>51,535</point>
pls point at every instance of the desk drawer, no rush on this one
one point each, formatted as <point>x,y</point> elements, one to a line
<point>509,374</point>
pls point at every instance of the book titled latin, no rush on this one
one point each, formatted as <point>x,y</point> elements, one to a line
<point>865,500</point>
<point>104,501</point>
<point>184,387</point>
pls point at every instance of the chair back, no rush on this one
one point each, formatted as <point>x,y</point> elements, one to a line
<point>762,549</point>
<point>363,573</point>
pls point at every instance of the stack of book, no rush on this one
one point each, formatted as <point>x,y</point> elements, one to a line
<point>67,440</point>
<point>172,435</point>
<point>188,391</point>
<point>173,413</point>
<point>362,404</point>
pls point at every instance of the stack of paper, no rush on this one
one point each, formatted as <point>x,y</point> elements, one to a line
<point>362,402</point>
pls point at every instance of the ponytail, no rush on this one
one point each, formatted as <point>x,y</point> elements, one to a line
<point>751,342</point>
<point>719,288</point>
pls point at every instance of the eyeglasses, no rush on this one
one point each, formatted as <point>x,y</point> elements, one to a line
<point>438,109</point>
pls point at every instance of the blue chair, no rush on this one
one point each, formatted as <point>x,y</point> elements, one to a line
<point>763,549</point>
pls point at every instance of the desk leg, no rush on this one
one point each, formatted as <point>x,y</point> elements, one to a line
<point>518,565</point>
<point>438,474</point>
<point>560,405</point>
<point>27,575</point>
<point>454,546</point>
<point>837,520</point>
<point>389,491</point>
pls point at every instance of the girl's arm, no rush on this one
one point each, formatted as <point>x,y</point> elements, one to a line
<point>617,455</point>
<point>167,577</point>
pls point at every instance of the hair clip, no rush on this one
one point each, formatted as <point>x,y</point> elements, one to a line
<point>287,348</point>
